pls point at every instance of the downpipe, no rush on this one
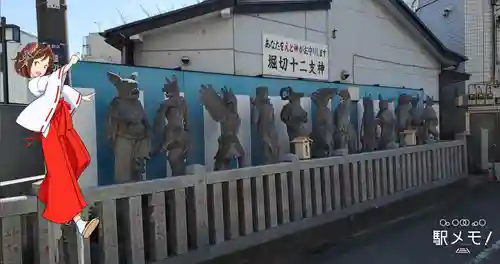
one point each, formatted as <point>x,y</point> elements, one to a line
<point>493,40</point>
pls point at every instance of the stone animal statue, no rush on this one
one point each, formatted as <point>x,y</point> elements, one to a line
<point>323,129</point>
<point>416,119</point>
<point>430,122</point>
<point>175,139</point>
<point>128,130</point>
<point>263,118</point>
<point>293,115</point>
<point>224,110</point>
<point>403,116</point>
<point>344,136</point>
<point>387,122</point>
<point>368,126</point>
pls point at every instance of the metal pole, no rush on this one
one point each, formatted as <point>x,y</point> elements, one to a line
<point>5,73</point>
<point>493,41</point>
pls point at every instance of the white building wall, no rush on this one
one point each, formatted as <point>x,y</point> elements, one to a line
<point>478,46</point>
<point>18,86</point>
<point>369,44</point>
<point>372,45</point>
<point>207,41</point>
<point>96,49</point>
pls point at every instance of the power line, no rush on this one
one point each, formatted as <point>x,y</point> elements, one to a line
<point>425,5</point>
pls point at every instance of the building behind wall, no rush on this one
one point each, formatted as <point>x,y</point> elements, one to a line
<point>96,49</point>
<point>375,41</point>
<point>18,86</point>
<point>446,18</point>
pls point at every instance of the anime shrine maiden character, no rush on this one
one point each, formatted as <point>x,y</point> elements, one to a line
<point>50,116</point>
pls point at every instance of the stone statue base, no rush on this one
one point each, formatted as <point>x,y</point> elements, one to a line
<point>341,152</point>
<point>408,137</point>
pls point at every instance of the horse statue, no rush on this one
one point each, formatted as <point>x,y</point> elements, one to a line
<point>323,129</point>
<point>224,110</point>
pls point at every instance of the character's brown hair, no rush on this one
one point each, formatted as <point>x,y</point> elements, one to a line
<point>31,52</point>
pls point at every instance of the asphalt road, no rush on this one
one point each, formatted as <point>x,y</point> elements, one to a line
<point>411,240</point>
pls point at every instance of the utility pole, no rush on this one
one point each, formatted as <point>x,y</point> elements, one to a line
<point>52,28</point>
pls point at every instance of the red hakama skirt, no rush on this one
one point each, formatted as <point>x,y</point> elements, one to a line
<point>66,157</point>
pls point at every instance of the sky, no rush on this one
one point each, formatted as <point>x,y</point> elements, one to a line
<point>85,16</point>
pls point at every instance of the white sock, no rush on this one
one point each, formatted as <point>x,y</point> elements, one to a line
<point>80,224</point>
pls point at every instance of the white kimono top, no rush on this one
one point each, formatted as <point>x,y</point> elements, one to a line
<point>47,90</point>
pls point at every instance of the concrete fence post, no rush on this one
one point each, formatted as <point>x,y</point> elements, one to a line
<point>200,205</point>
<point>49,234</point>
<point>465,156</point>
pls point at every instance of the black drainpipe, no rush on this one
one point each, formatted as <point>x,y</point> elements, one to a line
<point>493,40</point>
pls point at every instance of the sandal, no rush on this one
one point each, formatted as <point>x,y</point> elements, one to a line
<point>90,226</point>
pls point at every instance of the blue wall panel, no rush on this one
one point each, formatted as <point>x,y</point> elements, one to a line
<point>151,80</point>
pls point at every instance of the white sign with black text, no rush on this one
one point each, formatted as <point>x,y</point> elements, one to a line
<point>294,58</point>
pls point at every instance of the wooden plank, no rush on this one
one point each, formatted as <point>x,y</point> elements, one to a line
<point>181,237</point>
<point>383,170</point>
<point>451,158</point>
<point>404,172</point>
<point>327,188</point>
<point>136,237</point>
<point>201,205</point>
<point>11,241</point>
<point>390,167</point>
<point>346,177</point>
<point>460,165</point>
<point>452,162</point>
<point>108,232</point>
<point>246,194</point>
<point>336,187</point>
<point>362,181</point>
<point>435,165</point>
<point>424,166</point>
<point>260,216</point>
<point>398,172</point>
<point>47,247</point>
<point>283,203</point>
<point>218,213</point>
<point>355,181</point>
<point>428,167</point>
<point>297,192</point>
<point>306,194</point>
<point>318,196</point>
<point>439,165</point>
<point>158,226</point>
<point>272,213</point>
<point>233,210</point>
<point>371,179</point>
<point>378,179</point>
<point>446,162</point>
<point>414,171</point>
<point>83,245</point>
